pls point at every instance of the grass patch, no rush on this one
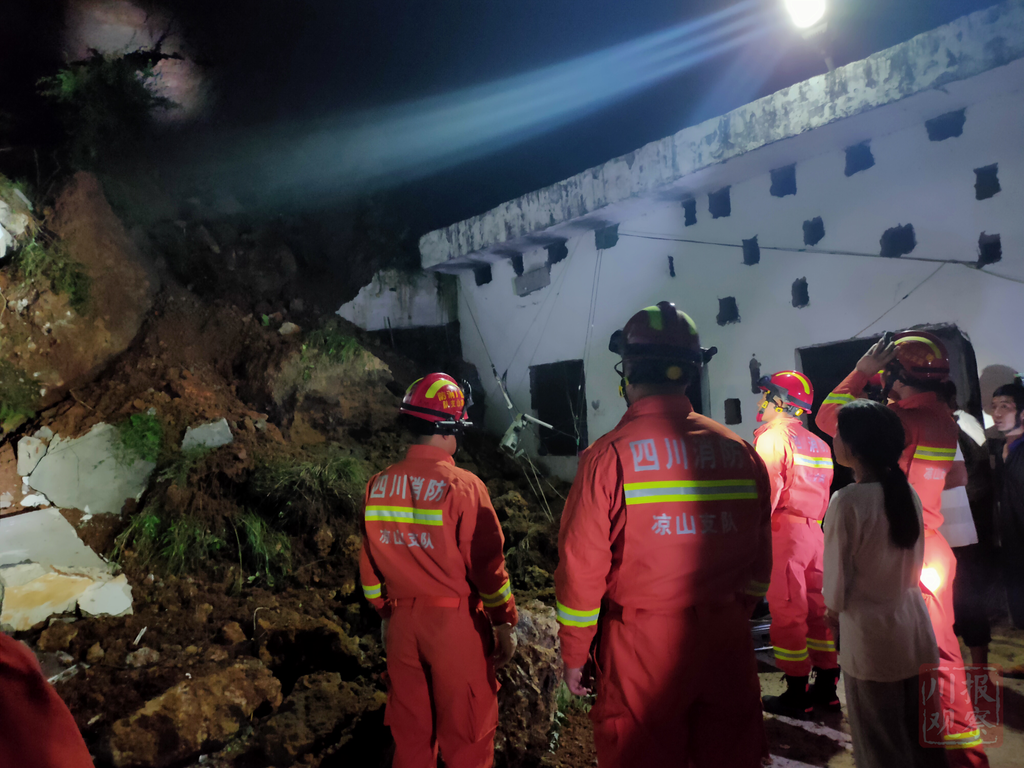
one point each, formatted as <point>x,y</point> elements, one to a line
<point>266,552</point>
<point>140,436</point>
<point>17,397</point>
<point>565,701</point>
<point>37,261</point>
<point>327,346</point>
<point>182,463</point>
<point>182,545</point>
<point>323,475</point>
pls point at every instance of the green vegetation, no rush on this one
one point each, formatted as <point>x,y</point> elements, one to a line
<point>323,476</point>
<point>327,346</point>
<point>186,544</point>
<point>142,535</point>
<point>141,436</point>
<point>17,397</point>
<point>50,263</point>
<point>565,701</point>
<point>267,552</point>
<point>107,103</point>
<point>182,463</point>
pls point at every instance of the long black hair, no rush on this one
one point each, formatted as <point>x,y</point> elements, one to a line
<point>874,434</point>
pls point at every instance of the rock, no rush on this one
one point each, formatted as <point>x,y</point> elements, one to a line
<point>212,435</point>
<point>216,654</point>
<point>30,451</point>
<point>323,540</point>
<point>289,329</point>
<point>57,637</point>
<point>232,633</point>
<point>13,223</point>
<point>203,611</point>
<point>95,654</point>
<point>86,473</point>
<point>191,650</point>
<point>295,644</point>
<point>528,687</point>
<point>323,710</point>
<point>33,592</point>
<point>194,716</point>
<point>111,598</point>
<point>143,657</point>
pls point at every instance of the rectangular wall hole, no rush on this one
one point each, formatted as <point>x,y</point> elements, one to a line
<point>606,237</point>
<point>986,182</point>
<point>689,212</point>
<point>947,126</point>
<point>800,295</point>
<point>755,375</point>
<point>482,274</point>
<point>751,251</point>
<point>719,204</point>
<point>859,158</point>
<point>733,414</point>
<point>517,264</point>
<point>557,252</point>
<point>728,312</point>
<point>784,181</point>
<point>814,231</point>
<point>558,395</point>
<point>990,249</point>
<point>898,241</point>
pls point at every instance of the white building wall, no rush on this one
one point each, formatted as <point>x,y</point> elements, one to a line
<point>914,180</point>
<point>408,300</point>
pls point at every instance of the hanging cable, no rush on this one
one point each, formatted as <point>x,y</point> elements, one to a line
<point>890,309</point>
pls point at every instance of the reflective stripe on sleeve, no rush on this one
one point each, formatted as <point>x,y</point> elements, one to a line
<point>965,740</point>
<point>789,654</point>
<point>757,588</point>
<point>404,515</point>
<point>838,398</point>
<point>827,646</point>
<point>656,492</point>
<point>499,598</point>
<point>371,591</point>
<point>818,462</point>
<point>930,453</point>
<point>573,618</point>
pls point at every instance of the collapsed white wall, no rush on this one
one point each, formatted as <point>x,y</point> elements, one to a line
<point>401,299</point>
<point>929,184</point>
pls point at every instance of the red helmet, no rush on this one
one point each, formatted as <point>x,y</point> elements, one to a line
<point>921,355</point>
<point>791,387</point>
<point>660,332</point>
<point>438,399</point>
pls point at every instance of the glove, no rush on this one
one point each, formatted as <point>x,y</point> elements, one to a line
<point>504,644</point>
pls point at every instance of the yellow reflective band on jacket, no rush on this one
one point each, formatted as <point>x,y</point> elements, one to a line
<point>838,398</point>
<point>929,453</point>
<point>818,462</point>
<point>371,591</point>
<point>757,588</point>
<point>821,645</point>
<point>573,618</point>
<point>498,598</point>
<point>404,515</point>
<point>965,740</point>
<point>659,491</point>
<point>786,654</point>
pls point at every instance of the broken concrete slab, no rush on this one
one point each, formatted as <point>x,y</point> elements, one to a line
<point>110,598</point>
<point>84,473</point>
<point>35,500</point>
<point>33,592</point>
<point>30,451</point>
<point>212,435</point>
<point>44,537</point>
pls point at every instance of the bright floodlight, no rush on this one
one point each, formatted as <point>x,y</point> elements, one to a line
<point>805,13</point>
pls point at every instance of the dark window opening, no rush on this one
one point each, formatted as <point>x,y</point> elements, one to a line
<point>898,241</point>
<point>755,375</point>
<point>558,395</point>
<point>728,312</point>
<point>800,295</point>
<point>814,231</point>
<point>719,204</point>
<point>689,212</point>
<point>784,181</point>
<point>946,126</point>
<point>671,267</point>
<point>482,274</point>
<point>557,252</point>
<point>751,251</point>
<point>990,249</point>
<point>732,411</point>
<point>859,158</point>
<point>606,237</point>
<point>517,264</point>
<point>986,181</point>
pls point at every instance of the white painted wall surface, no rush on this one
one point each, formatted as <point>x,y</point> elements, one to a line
<point>928,184</point>
<point>408,300</point>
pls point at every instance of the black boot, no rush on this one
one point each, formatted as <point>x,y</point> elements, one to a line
<point>795,702</point>
<point>823,692</point>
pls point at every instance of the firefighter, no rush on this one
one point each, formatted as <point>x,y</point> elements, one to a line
<point>432,566</point>
<point>914,368</point>
<point>799,468</point>
<point>664,549</point>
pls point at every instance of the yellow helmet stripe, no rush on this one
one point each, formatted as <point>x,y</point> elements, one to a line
<point>931,344</point>
<point>436,387</point>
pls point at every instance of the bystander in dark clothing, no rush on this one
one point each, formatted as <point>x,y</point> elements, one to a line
<point>1010,521</point>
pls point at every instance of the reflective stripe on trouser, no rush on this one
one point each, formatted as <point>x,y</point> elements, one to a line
<point>439,662</point>
<point>962,748</point>
<point>678,689</point>
<point>798,631</point>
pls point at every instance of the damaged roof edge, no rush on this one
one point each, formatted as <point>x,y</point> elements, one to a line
<point>962,49</point>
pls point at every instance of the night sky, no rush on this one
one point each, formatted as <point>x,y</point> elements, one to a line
<point>288,61</point>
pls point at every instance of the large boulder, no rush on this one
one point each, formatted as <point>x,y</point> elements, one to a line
<point>529,683</point>
<point>322,711</point>
<point>193,716</point>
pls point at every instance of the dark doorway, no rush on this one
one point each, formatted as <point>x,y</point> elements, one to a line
<point>558,395</point>
<point>826,365</point>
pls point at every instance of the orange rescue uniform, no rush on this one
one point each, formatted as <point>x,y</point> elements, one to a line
<point>666,540</point>
<point>931,448</point>
<point>799,468</point>
<point>432,562</point>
